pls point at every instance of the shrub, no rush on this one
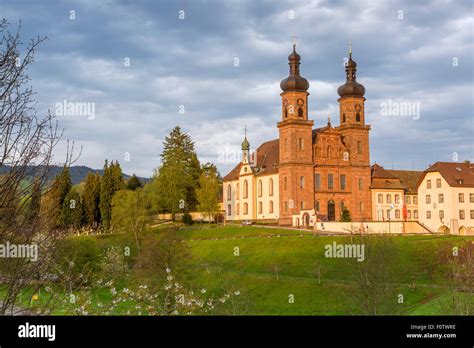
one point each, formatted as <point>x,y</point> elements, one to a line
<point>187,219</point>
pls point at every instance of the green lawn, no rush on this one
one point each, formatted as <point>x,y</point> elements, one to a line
<point>275,270</point>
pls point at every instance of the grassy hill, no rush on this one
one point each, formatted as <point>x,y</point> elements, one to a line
<point>275,264</point>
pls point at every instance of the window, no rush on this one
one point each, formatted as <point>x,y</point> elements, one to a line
<point>471,197</point>
<point>389,215</point>
<point>301,143</point>
<point>260,188</point>
<point>302,205</point>
<point>461,197</point>
<point>237,191</point>
<point>359,147</point>
<point>330,181</point>
<point>343,118</point>
<point>428,199</point>
<point>317,207</point>
<point>415,214</point>
<point>389,199</point>
<point>409,214</point>
<point>380,198</point>
<point>237,209</point>
<point>415,199</point>
<point>270,207</point>
<point>246,208</point>
<point>270,187</point>
<point>472,214</point>
<point>361,206</point>
<point>229,192</point>
<point>343,181</point>
<point>302,182</point>
<point>360,184</point>
<point>440,198</point>
<point>397,199</point>
<point>461,215</point>
<point>428,214</point>
<point>286,206</point>
<point>358,117</point>
<point>284,183</point>
<point>397,214</point>
<point>438,183</point>
<point>246,189</point>
<point>229,210</point>
<point>260,207</point>
<point>408,199</point>
<point>428,184</point>
<point>317,181</point>
<point>286,113</point>
<point>441,214</point>
<point>300,112</point>
<point>329,152</point>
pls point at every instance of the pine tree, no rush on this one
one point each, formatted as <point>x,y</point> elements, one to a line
<point>208,191</point>
<point>112,181</point>
<point>91,199</point>
<point>72,210</point>
<point>133,183</point>
<point>179,174</point>
<point>53,202</point>
<point>346,215</point>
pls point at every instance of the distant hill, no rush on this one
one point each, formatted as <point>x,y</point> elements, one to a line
<point>78,173</point>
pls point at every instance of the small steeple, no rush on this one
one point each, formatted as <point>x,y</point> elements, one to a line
<point>294,81</point>
<point>245,143</point>
<point>351,87</point>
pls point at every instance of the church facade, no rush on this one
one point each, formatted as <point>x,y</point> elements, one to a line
<point>308,174</point>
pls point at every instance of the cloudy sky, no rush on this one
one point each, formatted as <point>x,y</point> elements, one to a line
<point>218,69</point>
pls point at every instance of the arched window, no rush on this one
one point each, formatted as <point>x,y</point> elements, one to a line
<point>260,207</point>
<point>229,192</point>
<point>270,207</point>
<point>300,112</point>
<point>246,189</point>
<point>286,113</point>
<point>237,209</point>
<point>260,189</point>
<point>229,209</point>
<point>246,208</point>
<point>343,118</point>
<point>237,193</point>
<point>358,117</point>
<point>270,187</point>
<point>329,152</point>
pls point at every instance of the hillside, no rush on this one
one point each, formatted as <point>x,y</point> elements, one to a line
<point>78,173</point>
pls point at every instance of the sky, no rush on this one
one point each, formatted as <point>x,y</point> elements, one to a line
<point>133,70</point>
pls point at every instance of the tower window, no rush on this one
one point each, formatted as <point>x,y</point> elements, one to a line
<point>300,112</point>
<point>358,117</point>
<point>343,118</point>
<point>300,143</point>
<point>359,147</point>
<point>286,113</point>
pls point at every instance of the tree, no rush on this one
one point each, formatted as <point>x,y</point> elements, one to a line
<point>112,181</point>
<point>27,140</point>
<point>72,211</point>
<point>133,183</point>
<point>53,204</point>
<point>208,191</point>
<point>91,199</point>
<point>129,214</point>
<point>179,174</point>
<point>346,215</point>
<point>35,202</point>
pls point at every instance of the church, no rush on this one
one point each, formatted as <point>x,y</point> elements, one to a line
<point>308,174</point>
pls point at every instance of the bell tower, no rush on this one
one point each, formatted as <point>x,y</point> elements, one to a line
<point>295,144</point>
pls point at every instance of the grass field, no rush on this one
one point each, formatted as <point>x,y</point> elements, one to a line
<point>271,266</point>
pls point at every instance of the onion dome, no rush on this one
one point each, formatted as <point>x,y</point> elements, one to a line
<point>245,144</point>
<point>294,82</point>
<point>351,87</point>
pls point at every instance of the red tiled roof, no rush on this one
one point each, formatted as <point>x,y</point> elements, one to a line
<point>408,178</point>
<point>456,174</point>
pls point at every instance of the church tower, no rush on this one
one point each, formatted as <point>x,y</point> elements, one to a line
<point>355,133</point>
<point>295,144</point>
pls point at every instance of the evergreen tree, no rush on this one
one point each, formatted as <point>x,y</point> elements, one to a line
<point>346,215</point>
<point>133,183</point>
<point>179,174</point>
<point>53,203</point>
<point>208,191</point>
<point>72,210</point>
<point>91,199</point>
<point>112,181</point>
